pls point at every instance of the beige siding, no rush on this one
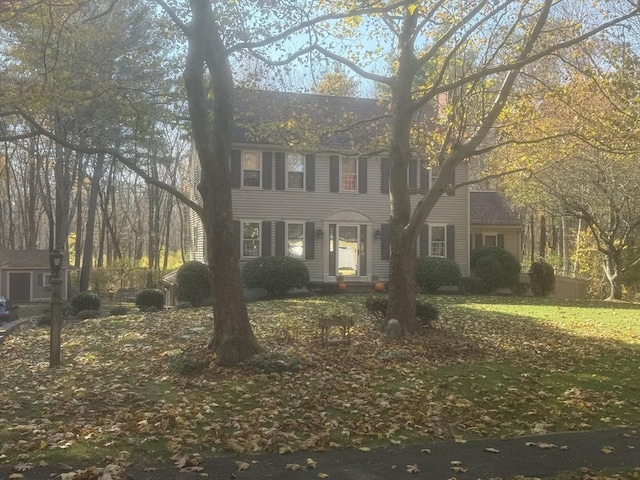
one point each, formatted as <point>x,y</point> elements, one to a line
<point>511,236</point>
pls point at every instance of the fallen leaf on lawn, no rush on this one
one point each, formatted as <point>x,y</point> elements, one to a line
<point>542,445</point>
<point>608,449</point>
<point>425,450</point>
<point>456,462</point>
<point>492,450</point>
<point>364,449</point>
<point>293,466</point>
<point>150,469</point>
<point>564,447</point>
<point>285,449</point>
<point>412,468</point>
<point>65,476</point>
<point>460,440</point>
<point>15,476</point>
<point>180,462</point>
<point>323,475</point>
<point>242,465</point>
<point>22,467</point>
<point>459,469</point>
<point>311,463</point>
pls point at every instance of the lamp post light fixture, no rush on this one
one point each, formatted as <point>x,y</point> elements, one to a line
<point>55,263</point>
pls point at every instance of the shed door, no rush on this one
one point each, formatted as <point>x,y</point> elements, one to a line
<point>19,287</point>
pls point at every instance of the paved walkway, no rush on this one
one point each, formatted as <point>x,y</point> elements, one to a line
<point>538,456</point>
<point>6,328</point>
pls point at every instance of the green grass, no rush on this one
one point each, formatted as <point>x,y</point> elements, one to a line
<point>492,366</point>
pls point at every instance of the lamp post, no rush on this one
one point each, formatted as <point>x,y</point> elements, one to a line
<point>55,263</point>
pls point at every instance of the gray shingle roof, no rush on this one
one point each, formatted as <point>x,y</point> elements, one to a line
<point>490,208</point>
<point>27,259</point>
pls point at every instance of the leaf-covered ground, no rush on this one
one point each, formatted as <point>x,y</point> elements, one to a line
<point>490,367</point>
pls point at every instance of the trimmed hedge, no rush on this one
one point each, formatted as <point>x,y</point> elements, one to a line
<point>84,301</point>
<point>276,275</point>
<point>150,297</point>
<point>377,306</point>
<point>506,275</point>
<point>435,272</point>
<point>193,282</point>
<point>543,278</point>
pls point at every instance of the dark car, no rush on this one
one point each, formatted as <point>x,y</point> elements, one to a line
<point>8,311</point>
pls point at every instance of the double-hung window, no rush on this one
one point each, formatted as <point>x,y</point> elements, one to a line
<point>295,240</point>
<point>433,173</point>
<point>251,169</point>
<point>295,171</point>
<point>438,241</point>
<point>349,174</point>
<point>490,240</point>
<point>250,239</point>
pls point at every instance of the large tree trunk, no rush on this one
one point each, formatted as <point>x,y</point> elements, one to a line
<point>233,340</point>
<point>613,269</point>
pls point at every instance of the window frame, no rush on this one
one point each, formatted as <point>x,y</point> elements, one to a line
<point>243,239</point>
<point>243,170</point>
<point>342,175</point>
<point>287,171</point>
<point>489,234</point>
<point>434,173</point>
<point>432,242</point>
<point>286,238</point>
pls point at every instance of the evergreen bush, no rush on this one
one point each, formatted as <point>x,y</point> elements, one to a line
<point>84,301</point>
<point>119,310</point>
<point>276,275</point>
<point>543,278</point>
<point>86,314</point>
<point>508,275</point>
<point>193,281</point>
<point>377,306</point>
<point>150,297</point>
<point>435,272</point>
<point>489,270</point>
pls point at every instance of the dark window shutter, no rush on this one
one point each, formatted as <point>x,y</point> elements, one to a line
<point>424,241</point>
<point>425,182</point>
<point>41,279</point>
<point>413,173</point>
<point>384,175</point>
<point>334,173</point>
<point>266,170</point>
<point>237,234</point>
<point>363,251</point>
<point>451,242</point>
<point>309,240</point>
<point>266,239</point>
<point>280,239</point>
<point>236,170</point>
<point>478,240</point>
<point>362,174</point>
<point>310,172</point>
<point>281,171</point>
<point>333,244</point>
<point>501,240</point>
<point>385,241</point>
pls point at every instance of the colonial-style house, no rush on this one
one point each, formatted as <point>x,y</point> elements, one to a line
<point>323,197</point>
<point>493,223</point>
<point>25,276</point>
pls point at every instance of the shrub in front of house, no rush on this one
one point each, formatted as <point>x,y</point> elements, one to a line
<point>276,275</point>
<point>150,297</point>
<point>543,278</point>
<point>435,272</point>
<point>509,267</point>
<point>193,283</point>
<point>377,306</point>
<point>84,301</point>
<point>488,269</point>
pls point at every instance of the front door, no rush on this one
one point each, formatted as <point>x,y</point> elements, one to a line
<point>347,253</point>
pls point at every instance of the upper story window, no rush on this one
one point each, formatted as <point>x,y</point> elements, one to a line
<point>438,241</point>
<point>349,174</point>
<point>295,171</point>
<point>295,240</point>
<point>433,173</point>
<point>251,169</point>
<point>250,239</point>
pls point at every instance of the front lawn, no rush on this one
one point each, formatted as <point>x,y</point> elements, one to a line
<point>491,367</point>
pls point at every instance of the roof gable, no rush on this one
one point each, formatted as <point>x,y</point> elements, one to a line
<point>490,208</point>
